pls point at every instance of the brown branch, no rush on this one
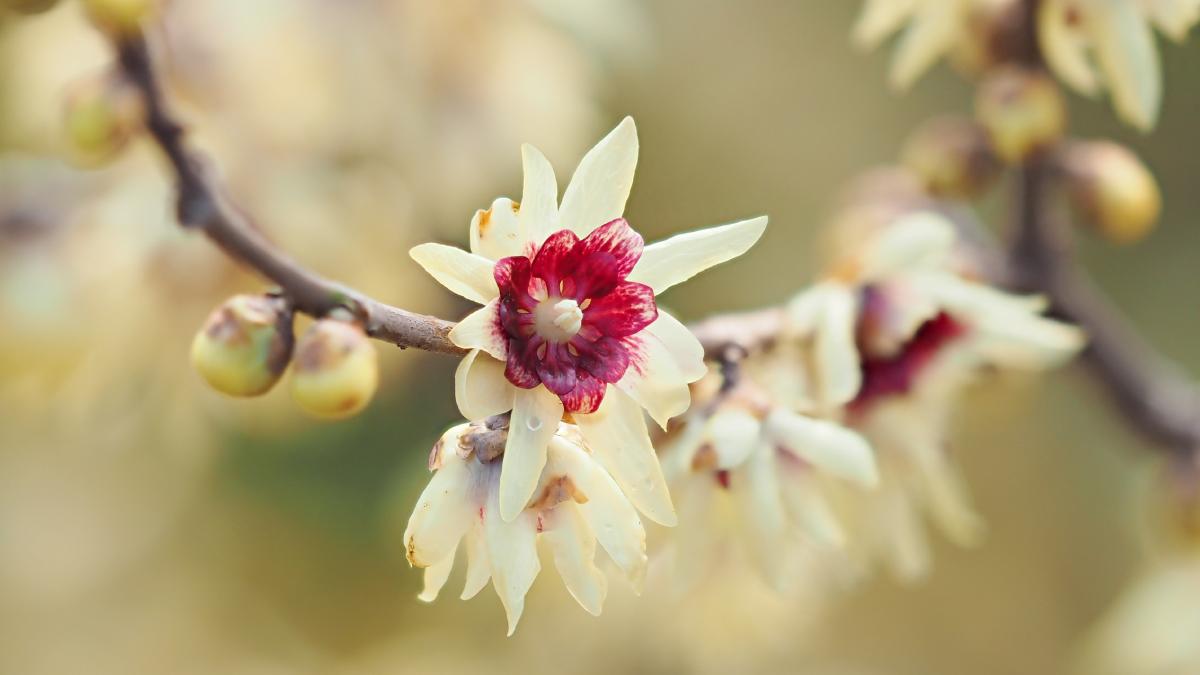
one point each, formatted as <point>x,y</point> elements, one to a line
<point>202,206</point>
<point>1152,393</point>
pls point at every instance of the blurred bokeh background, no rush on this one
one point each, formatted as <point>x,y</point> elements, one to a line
<point>149,525</point>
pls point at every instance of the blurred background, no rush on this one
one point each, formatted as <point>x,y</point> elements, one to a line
<point>149,525</point>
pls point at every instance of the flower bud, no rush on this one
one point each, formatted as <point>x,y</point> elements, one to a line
<point>336,370</point>
<point>99,118</point>
<point>121,17</point>
<point>27,6</point>
<point>952,156</point>
<point>1112,189</point>
<point>245,345</point>
<point>1022,110</point>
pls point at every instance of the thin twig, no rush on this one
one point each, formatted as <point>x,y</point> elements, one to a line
<point>1153,394</point>
<point>202,206</point>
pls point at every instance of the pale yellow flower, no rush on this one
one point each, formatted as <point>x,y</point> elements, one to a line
<point>568,293</point>
<point>578,505</point>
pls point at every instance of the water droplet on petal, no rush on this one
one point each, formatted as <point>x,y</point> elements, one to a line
<point>534,423</point>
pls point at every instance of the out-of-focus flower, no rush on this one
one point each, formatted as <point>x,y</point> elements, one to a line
<point>879,296</point>
<point>1112,188</point>
<point>569,309</point>
<point>1092,44</point>
<point>577,505</point>
<point>758,468</point>
<point>894,334</point>
<point>933,27</point>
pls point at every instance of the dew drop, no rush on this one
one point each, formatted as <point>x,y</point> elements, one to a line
<point>534,423</point>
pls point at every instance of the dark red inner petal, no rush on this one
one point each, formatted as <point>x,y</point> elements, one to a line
<point>896,374</point>
<point>591,272</point>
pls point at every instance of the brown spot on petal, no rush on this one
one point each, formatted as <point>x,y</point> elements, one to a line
<point>411,553</point>
<point>435,455</point>
<point>484,217</point>
<point>705,458</point>
<point>558,491</point>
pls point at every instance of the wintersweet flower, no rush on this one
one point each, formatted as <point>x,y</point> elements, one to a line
<point>1092,44</point>
<point>933,29</point>
<point>570,323</point>
<point>902,283</point>
<point>751,470</point>
<point>578,505</point>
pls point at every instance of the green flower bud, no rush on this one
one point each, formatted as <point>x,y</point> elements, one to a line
<point>1022,110</point>
<point>952,157</point>
<point>1112,189</point>
<point>101,115</point>
<point>336,370</point>
<point>245,345</point>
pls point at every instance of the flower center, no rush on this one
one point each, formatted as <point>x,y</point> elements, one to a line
<point>557,319</point>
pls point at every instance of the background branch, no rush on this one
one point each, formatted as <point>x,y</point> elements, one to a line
<point>202,206</point>
<point>1153,394</point>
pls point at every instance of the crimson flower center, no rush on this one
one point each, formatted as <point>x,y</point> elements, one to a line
<point>569,316</point>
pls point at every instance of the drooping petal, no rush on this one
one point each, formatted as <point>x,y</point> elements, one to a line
<point>759,499</point>
<point>826,445</point>
<point>480,388</point>
<point>686,350</point>
<point>600,186</point>
<point>695,540</point>
<point>466,274</point>
<point>653,379</point>
<point>811,511</point>
<point>512,552</point>
<point>1175,18</point>
<point>916,241</point>
<point>435,577</point>
<point>444,509</point>
<point>538,215</point>
<point>479,566</point>
<point>574,548</point>
<point>671,261</point>
<point>535,416</point>
<point>481,330</point>
<point>626,310</point>
<point>607,511</point>
<point>1125,51</point>
<point>617,240</point>
<point>616,432</point>
<point>496,231</point>
<point>587,395</point>
<point>837,358</point>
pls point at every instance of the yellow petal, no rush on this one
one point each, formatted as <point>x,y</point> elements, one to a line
<point>481,330</point>
<point>836,352</point>
<point>480,387</point>
<point>617,435</point>
<point>574,548</point>
<point>435,578</point>
<point>466,274</point>
<point>496,231</point>
<point>654,381</point>
<point>930,35</point>
<point>600,187</point>
<point>535,416</point>
<point>879,19</point>
<point>1065,47</point>
<point>538,215</point>
<point>512,552</point>
<point>828,446</point>
<point>1125,50</point>
<point>671,261</point>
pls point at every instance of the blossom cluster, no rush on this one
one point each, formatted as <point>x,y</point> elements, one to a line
<point>828,438</point>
